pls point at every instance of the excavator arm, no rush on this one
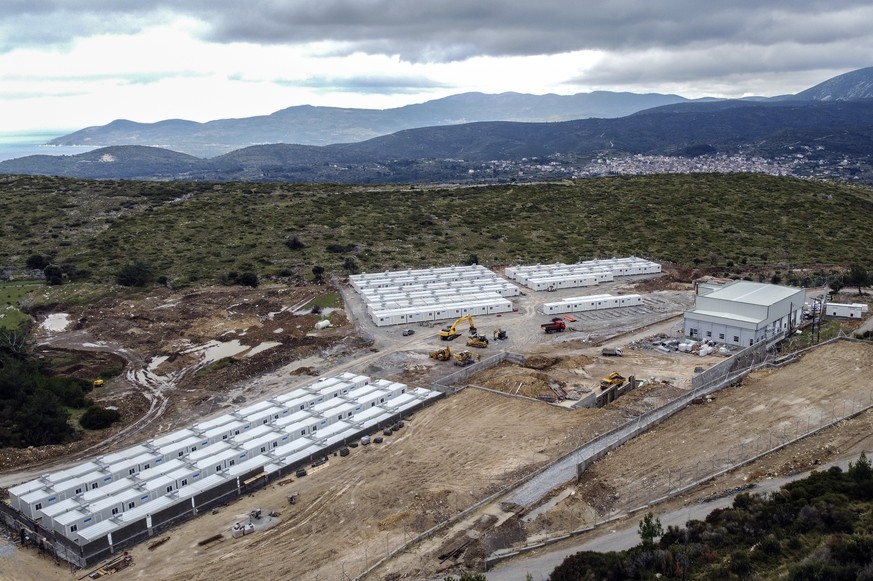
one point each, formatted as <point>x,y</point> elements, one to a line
<point>450,333</point>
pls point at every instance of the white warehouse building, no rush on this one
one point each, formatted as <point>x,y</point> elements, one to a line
<point>743,313</point>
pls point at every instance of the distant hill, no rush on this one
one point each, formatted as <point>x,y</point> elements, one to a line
<point>308,125</point>
<point>852,86</point>
<point>836,130</point>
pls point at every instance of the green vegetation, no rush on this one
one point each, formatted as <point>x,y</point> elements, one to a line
<point>817,528</point>
<point>97,418</point>
<point>215,366</point>
<point>33,404</point>
<point>329,300</point>
<point>192,232</point>
<point>11,294</point>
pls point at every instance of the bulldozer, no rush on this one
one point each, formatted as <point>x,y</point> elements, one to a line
<point>441,354</point>
<point>480,341</point>
<point>97,382</point>
<point>450,333</point>
<point>613,378</point>
<point>465,358</point>
<point>500,334</point>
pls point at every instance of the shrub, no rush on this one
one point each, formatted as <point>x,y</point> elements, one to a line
<point>97,418</point>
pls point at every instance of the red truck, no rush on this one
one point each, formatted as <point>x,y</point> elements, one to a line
<point>557,325</point>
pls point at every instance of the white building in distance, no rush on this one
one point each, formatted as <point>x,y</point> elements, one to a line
<point>743,313</point>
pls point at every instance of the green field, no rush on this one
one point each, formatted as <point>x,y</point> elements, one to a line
<point>11,294</point>
<point>193,233</point>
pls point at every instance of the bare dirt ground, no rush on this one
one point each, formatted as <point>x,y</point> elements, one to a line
<point>465,449</point>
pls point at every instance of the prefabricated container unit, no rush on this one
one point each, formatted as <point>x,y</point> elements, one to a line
<point>303,401</point>
<point>267,415</point>
<point>40,500</point>
<point>172,438</point>
<point>358,393</point>
<point>292,419</point>
<point>253,434</point>
<point>51,512</point>
<point>181,448</point>
<point>208,482</point>
<point>851,311</point>
<point>98,530</point>
<point>20,490</point>
<point>158,487</point>
<point>629,300</point>
<point>375,398</point>
<point>336,432</point>
<point>370,417</point>
<point>111,489</point>
<point>131,466</point>
<point>185,476</point>
<point>295,458</point>
<point>325,411</point>
<point>214,423</point>
<point>224,432</point>
<point>265,443</point>
<point>344,411</point>
<point>291,396</point>
<point>72,472</point>
<point>247,466</point>
<point>220,462</point>
<point>160,470</point>
<point>402,402</point>
<point>207,452</point>
<point>125,454</point>
<point>335,390</point>
<point>243,413</point>
<point>282,452</point>
<point>70,522</point>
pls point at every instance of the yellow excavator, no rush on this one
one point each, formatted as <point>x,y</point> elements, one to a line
<point>441,354</point>
<point>480,341</point>
<point>612,379</point>
<point>450,333</point>
<point>465,358</point>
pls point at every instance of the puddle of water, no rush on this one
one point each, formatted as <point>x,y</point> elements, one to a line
<point>215,350</point>
<point>262,347</point>
<point>56,322</point>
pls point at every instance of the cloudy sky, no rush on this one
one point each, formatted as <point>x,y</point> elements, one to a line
<point>75,63</point>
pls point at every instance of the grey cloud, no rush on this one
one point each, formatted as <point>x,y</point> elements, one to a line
<point>700,40</point>
<point>372,84</point>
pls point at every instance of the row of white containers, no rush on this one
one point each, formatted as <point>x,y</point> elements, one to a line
<point>284,429</point>
<point>591,303</point>
<point>588,273</point>
<point>436,312</point>
<point>405,278</point>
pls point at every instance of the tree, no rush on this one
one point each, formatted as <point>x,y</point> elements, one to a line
<point>248,279</point>
<point>53,275</point>
<point>836,283</point>
<point>135,274</point>
<point>858,277</point>
<point>650,528</point>
<point>37,262</point>
<point>318,272</point>
<point>350,265</point>
<point>861,470</point>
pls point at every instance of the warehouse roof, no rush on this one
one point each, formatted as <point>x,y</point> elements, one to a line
<point>753,293</point>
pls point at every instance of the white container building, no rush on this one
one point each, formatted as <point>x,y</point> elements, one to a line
<point>850,311</point>
<point>138,483</point>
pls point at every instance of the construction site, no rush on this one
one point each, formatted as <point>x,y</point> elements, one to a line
<point>552,421</point>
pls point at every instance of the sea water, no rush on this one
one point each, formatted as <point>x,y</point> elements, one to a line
<point>24,143</point>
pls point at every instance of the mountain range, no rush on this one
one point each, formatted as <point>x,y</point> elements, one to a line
<point>829,123</point>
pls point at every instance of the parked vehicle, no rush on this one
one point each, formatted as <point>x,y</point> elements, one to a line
<point>557,325</point>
